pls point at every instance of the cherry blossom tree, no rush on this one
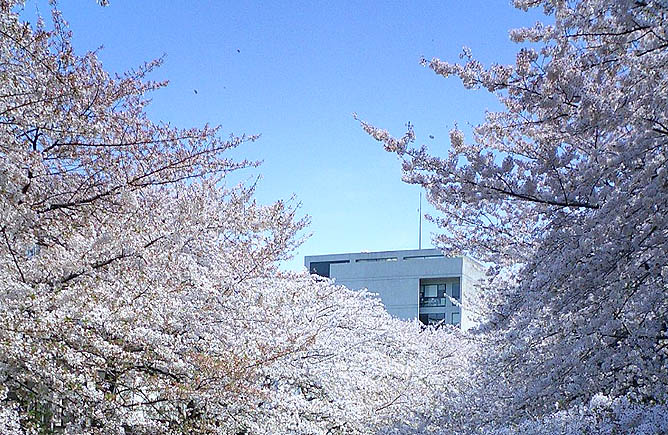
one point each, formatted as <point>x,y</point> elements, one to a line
<point>565,193</point>
<point>140,293</point>
<point>359,370</point>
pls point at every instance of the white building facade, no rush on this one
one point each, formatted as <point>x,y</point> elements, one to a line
<point>413,284</point>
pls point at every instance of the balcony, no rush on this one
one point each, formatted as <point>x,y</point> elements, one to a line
<point>433,302</point>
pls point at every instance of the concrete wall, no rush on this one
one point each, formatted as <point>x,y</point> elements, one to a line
<point>472,280</point>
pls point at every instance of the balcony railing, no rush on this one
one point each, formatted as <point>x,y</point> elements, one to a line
<point>433,302</point>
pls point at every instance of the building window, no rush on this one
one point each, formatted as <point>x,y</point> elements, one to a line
<point>430,291</point>
<point>322,267</point>
<point>431,318</point>
<point>456,318</point>
<point>423,257</point>
<point>456,293</point>
<point>433,295</point>
<point>368,260</point>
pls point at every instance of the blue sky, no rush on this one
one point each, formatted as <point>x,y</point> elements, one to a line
<point>295,72</point>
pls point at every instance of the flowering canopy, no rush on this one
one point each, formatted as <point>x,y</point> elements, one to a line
<point>140,294</point>
<point>565,191</point>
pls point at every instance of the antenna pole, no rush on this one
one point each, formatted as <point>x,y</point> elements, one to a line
<point>420,225</point>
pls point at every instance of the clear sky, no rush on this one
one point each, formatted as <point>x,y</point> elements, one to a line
<point>295,72</point>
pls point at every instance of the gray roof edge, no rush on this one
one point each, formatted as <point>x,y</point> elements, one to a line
<point>399,254</point>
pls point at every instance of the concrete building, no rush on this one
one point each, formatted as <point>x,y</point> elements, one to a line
<point>412,284</point>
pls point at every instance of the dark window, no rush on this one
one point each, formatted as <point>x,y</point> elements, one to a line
<point>431,318</point>
<point>456,293</point>
<point>423,257</point>
<point>367,260</point>
<point>432,295</point>
<point>436,295</point>
<point>322,267</point>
